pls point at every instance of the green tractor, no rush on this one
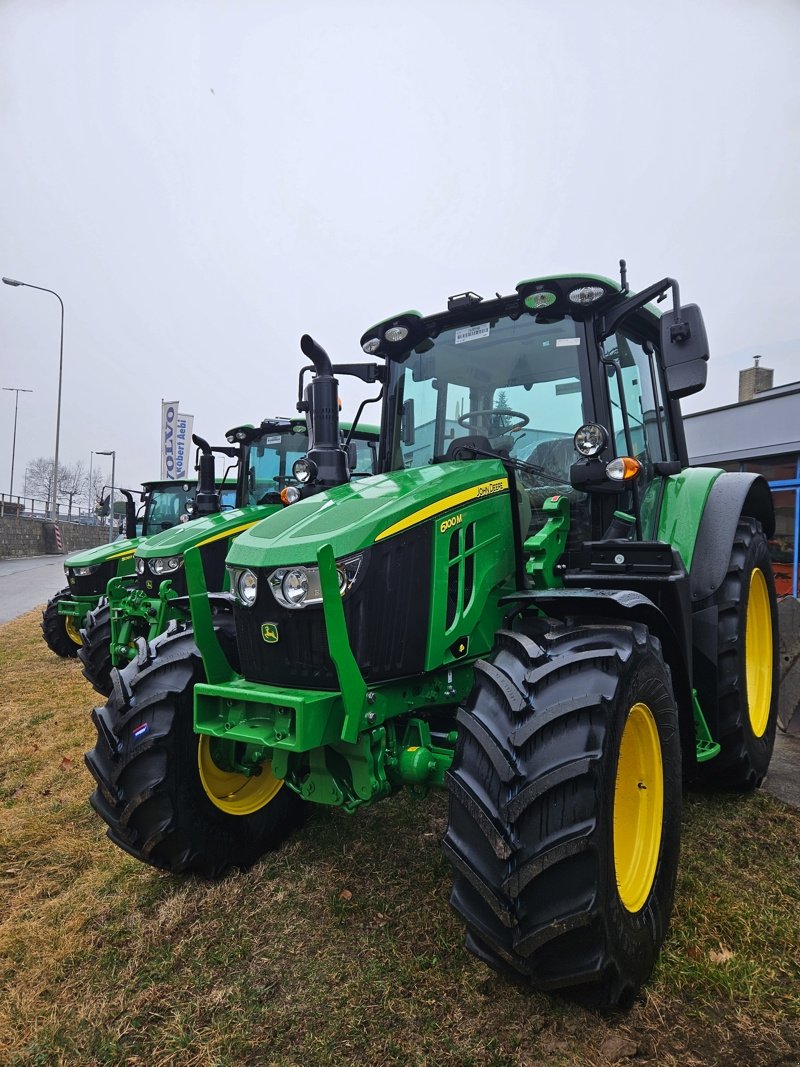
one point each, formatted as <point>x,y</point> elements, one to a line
<point>536,605</point>
<point>89,570</point>
<point>144,601</point>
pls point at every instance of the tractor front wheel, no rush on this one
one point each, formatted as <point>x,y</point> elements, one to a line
<point>746,679</point>
<point>61,633</point>
<point>171,798</point>
<point>564,813</point>
<point>95,652</point>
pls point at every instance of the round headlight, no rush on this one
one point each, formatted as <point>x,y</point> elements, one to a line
<point>304,470</point>
<point>536,301</point>
<point>396,333</point>
<point>140,566</point>
<point>371,346</point>
<point>295,586</point>
<point>587,294</point>
<point>590,439</point>
<point>246,587</point>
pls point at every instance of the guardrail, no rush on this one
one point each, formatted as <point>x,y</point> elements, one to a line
<point>28,507</point>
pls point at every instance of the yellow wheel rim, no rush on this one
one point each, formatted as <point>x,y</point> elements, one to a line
<point>234,793</point>
<point>758,653</point>
<point>638,807</point>
<point>72,629</point>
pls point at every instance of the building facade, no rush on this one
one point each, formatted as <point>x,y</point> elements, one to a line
<point>760,433</point>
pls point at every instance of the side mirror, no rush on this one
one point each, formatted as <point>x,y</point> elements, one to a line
<point>352,455</point>
<point>684,350</point>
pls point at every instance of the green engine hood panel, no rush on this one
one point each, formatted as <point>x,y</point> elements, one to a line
<point>90,557</point>
<point>351,517</point>
<point>176,540</point>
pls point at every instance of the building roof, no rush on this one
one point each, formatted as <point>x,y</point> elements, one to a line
<point>767,425</point>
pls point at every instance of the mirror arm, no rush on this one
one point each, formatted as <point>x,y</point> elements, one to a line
<point>679,331</point>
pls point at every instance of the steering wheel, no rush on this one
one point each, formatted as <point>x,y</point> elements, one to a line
<point>468,421</point>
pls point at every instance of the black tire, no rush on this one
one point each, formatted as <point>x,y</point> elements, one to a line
<point>61,633</point>
<point>531,814</point>
<point>745,751</point>
<point>95,652</point>
<point>149,789</point>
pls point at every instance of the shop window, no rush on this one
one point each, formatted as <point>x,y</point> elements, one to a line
<point>782,544</point>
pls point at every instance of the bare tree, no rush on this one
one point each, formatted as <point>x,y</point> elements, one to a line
<point>95,490</point>
<point>72,480</point>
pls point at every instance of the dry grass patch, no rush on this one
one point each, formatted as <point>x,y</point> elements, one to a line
<point>341,948</point>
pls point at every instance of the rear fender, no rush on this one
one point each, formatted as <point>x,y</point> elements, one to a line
<point>731,496</point>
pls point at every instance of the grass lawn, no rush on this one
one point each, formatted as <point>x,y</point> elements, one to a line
<point>341,948</point>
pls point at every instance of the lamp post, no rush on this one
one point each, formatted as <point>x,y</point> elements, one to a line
<point>12,389</point>
<point>91,489</point>
<point>13,281</point>
<point>113,455</point>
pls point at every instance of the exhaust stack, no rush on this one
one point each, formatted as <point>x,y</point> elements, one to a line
<point>206,501</point>
<point>322,400</point>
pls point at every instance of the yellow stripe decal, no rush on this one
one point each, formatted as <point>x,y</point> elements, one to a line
<point>477,492</point>
<point>122,555</point>
<point>228,533</point>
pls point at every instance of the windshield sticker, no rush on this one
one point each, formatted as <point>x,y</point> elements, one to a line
<point>274,440</point>
<point>471,333</point>
<point>564,342</point>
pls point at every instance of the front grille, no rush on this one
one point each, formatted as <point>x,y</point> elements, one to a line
<point>386,615</point>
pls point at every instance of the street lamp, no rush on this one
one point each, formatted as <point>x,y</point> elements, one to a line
<point>11,389</point>
<point>113,455</point>
<point>13,281</point>
<point>91,489</point>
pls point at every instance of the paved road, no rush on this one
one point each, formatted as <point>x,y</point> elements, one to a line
<point>783,777</point>
<point>28,583</point>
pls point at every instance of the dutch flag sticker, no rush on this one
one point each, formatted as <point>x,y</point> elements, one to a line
<point>140,731</point>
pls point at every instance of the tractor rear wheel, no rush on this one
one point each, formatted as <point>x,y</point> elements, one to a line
<point>164,791</point>
<point>95,652</point>
<point>747,665</point>
<point>61,633</point>
<point>564,813</point>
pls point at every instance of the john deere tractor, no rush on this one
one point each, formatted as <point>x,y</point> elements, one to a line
<point>143,602</point>
<point>536,605</point>
<point>88,571</point>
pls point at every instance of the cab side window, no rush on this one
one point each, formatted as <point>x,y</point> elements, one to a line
<point>635,370</point>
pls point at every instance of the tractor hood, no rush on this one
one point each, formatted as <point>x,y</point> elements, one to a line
<point>176,540</point>
<point>353,516</point>
<point>91,557</point>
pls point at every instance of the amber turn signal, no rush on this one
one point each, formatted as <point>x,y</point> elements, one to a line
<point>623,468</point>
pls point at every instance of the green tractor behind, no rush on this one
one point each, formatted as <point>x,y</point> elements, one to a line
<point>536,604</point>
<point>89,570</point>
<point>143,602</point>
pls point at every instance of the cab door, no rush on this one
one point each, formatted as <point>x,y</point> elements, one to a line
<point>640,420</point>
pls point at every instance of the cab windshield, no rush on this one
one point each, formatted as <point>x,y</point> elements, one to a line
<point>514,384</point>
<point>166,505</point>
<point>270,464</point>
<point>272,456</point>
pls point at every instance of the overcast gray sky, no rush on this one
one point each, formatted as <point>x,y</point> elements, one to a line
<point>204,182</point>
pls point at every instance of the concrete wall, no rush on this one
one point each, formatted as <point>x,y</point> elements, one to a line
<point>34,537</point>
